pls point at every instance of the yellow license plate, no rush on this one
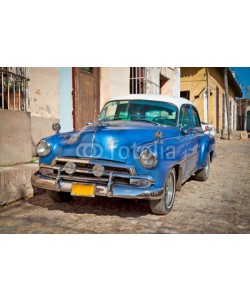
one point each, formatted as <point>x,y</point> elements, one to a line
<point>79,189</point>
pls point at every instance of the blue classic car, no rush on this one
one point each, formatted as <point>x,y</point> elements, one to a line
<point>142,147</point>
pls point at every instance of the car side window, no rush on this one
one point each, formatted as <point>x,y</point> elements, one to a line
<point>184,120</point>
<point>195,118</point>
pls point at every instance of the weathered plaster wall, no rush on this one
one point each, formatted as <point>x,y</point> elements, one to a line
<point>172,86</point>
<point>44,102</point>
<point>114,82</point>
<point>44,92</point>
<point>153,80</point>
<point>40,128</point>
<point>15,137</point>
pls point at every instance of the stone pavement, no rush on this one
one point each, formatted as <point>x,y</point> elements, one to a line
<point>219,205</point>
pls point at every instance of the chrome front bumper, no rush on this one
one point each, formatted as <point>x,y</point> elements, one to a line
<point>109,190</point>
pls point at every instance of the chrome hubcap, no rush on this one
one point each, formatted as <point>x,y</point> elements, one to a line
<point>170,190</point>
<point>207,169</point>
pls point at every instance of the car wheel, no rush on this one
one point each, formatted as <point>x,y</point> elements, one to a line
<point>203,174</point>
<point>59,196</point>
<point>164,205</point>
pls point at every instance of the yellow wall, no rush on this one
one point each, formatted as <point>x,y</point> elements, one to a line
<point>195,81</point>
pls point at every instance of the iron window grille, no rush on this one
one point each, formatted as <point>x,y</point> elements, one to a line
<point>13,88</point>
<point>142,81</point>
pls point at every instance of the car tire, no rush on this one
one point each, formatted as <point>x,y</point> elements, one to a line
<point>59,196</point>
<point>203,174</point>
<point>164,205</point>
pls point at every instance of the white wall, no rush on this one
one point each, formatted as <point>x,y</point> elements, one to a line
<point>114,82</point>
<point>44,92</point>
<point>43,102</point>
<point>153,85</point>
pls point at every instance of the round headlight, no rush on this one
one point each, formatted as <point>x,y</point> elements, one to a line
<point>148,159</point>
<point>43,148</point>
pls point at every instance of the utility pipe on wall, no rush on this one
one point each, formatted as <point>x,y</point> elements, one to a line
<point>207,77</point>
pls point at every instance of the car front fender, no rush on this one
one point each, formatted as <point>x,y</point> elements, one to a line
<point>206,147</point>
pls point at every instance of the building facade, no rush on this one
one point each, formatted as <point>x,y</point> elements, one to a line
<point>32,99</point>
<point>243,113</point>
<point>205,87</point>
<point>93,87</point>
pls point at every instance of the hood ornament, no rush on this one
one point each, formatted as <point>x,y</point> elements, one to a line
<point>56,127</point>
<point>159,135</point>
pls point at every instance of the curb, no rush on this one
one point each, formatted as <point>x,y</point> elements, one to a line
<point>15,183</point>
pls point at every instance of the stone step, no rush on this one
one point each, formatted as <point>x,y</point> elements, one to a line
<point>236,135</point>
<point>15,182</point>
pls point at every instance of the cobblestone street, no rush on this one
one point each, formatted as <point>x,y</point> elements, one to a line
<point>219,205</point>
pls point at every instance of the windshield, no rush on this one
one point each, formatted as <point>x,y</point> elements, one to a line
<point>140,110</point>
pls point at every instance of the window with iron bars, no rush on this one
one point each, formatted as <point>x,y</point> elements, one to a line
<point>142,80</point>
<point>13,88</point>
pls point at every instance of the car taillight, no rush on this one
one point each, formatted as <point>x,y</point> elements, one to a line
<point>206,128</point>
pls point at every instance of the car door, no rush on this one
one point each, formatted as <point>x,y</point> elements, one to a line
<point>197,133</point>
<point>189,139</point>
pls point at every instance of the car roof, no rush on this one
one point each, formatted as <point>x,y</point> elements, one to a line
<point>178,101</point>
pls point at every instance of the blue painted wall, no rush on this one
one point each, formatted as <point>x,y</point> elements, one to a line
<point>66,104</point>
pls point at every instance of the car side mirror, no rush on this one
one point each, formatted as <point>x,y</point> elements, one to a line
<point>88,123</point>
<point>185,131</point>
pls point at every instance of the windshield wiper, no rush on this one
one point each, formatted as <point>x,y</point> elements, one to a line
<point>145,120</point>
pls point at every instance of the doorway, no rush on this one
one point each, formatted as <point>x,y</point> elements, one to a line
<point>248,121</point>
<point>86,95</point>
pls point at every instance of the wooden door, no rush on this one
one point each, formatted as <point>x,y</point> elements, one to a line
<point>86,95</point>
<point>248,121</point>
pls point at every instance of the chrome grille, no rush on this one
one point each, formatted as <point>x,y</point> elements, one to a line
<point>84,171</point>
<point>86,166</point>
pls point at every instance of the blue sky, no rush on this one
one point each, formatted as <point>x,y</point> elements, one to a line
<point>243,78</point>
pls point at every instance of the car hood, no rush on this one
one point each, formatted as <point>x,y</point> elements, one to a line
<point>114,140</point>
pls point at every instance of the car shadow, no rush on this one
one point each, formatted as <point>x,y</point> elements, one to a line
<point>100,206</point>
<point>191,178</point>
